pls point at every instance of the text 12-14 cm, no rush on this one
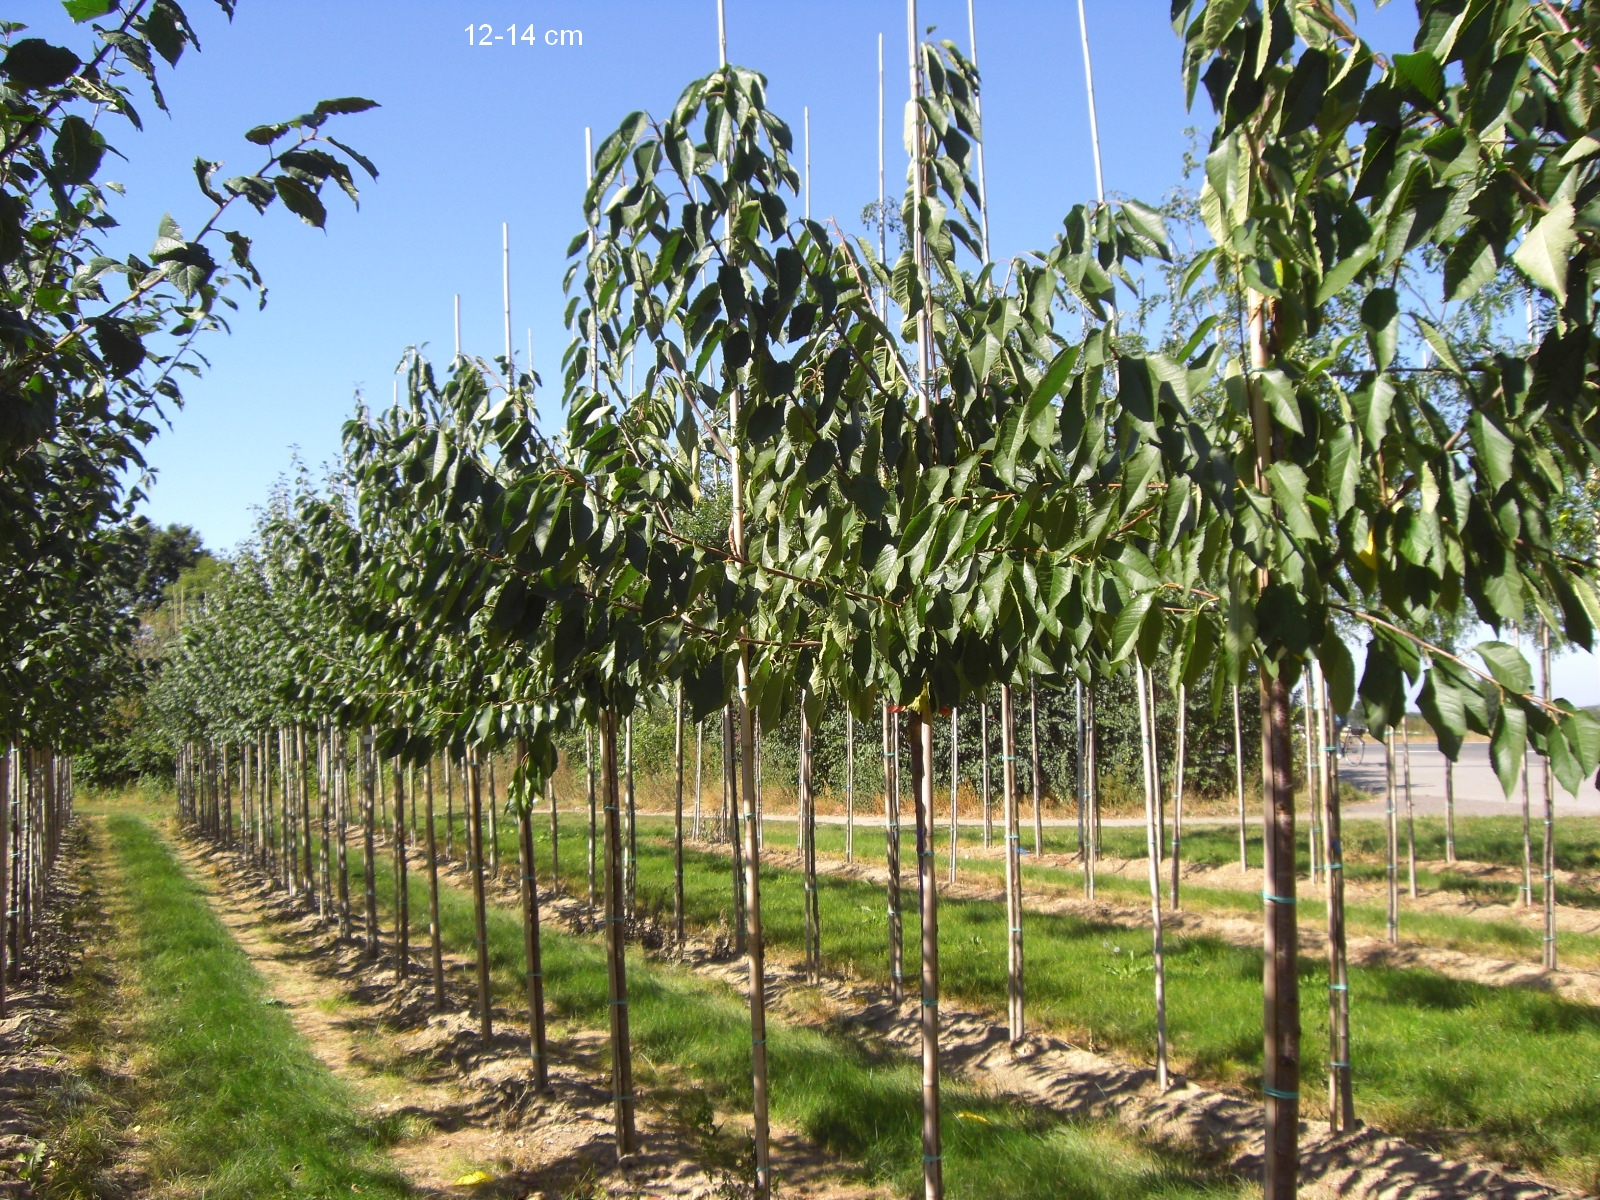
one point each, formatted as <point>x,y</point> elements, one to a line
<point>484,35</point>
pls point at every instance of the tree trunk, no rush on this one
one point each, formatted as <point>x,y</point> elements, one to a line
<point>677,817</point>
<point>474,801</point>
<point>755,946</point>
<point>555,836</point>
<point>630,861</point>
<point>494,824</point>
<point>955,779</point>
<point>1411,812</point>
<point>1033,766</point>
<point>588,771</point>
<point>1281,982</point>
<point>730,825</point>
<point>922,778</point>
<point>1146,699</point>
<point>7,759</point>
<point>1449,810</point>
<point>1527,828</point>
<point>402,891</point>
<point>434,946</point>
<point>450,803</point>
<point>988,791</point>
<point>534,973</point>
<point>1091,787</point>
<point>369,768</point>
<point>849,786</point>
<point>616,950</point>
<point>1238,775</point>
<point>1177,794</point>
<point>1341,1099</point>
<point>1549,823</point>
<point>699,762</point>
<point>1008,759</point>
<point>808,851</point>
<point>325,816</point>
<point>302,763</point>
<point>891,803</point>
<point>341,799</point>
<point>1391,838</point>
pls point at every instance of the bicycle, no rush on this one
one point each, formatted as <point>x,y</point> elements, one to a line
<point>1352,747</point>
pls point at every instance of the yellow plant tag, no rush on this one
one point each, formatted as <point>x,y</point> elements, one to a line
<point>473,1178</point>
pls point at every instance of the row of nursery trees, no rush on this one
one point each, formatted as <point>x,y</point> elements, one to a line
<point>942,474</point>
<point>94,340</point>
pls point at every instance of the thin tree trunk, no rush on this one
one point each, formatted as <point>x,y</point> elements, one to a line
<point>1449,810</point>
<point>1392,838</point>
<point>1411,812</point>
<point>849,786</point>
<point>1077,760</point>
<point>1313,782</point>
<point>1341,1099</point>
<point>450,803</point>
<point>1033,765</point>
<point>437,950</point>
<point>955,780</point>
<point>755,945</point>
<point>555,836</point>
<point>588,770</point>
<point>988,798</point>
<point>369,768</point>
<point>341,799</point>
<point>1146,698</point>
<point>677,818</point>
<point>402,889</point>
<point>808,851</point>
<point>1527,826</point>
<point>891,828</point>
<point>494,824</point>
<point>730,824</point>
<point>630,861</point>
<point>616,950</point>
<point>474,801</point>
<point>1238,774</point>
<point>1549,823</point>
<point>6,763</point>
<point>1091,785</point>
<point>325,815</point>
<point>302,762</point>
<point>699,759</point>
<point>922,777</point>
<point>1177,794</point>
<point>1008,760</point>
<point>1281,979</point>
<point>530,936</point>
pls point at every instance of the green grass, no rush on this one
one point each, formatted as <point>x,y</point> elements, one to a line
<point>1490,1069</point>
<point>692,1058</point>
<point>245,1109</point>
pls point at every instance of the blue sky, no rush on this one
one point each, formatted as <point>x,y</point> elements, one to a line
<point>470,136</point>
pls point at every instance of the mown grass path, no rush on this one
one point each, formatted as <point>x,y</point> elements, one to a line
<point>240,1106</point>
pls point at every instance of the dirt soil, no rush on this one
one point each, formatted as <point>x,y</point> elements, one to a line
<point>470,1106</point>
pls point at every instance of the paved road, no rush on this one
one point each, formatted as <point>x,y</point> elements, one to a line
<point>1477,788</point>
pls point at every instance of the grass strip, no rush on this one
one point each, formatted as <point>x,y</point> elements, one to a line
<point>692,1053</point>
<point>245,1109</point>
<point>1465,1065</point>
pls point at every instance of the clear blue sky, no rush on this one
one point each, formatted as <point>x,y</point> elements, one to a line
<point>469,137</point>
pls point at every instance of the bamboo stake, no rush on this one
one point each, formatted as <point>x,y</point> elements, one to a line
<point>891,827</point>
<point>1091,794</point>
<point>530,932</point>
<point>1177,793</point>
<point>1077,760</point>
<point>342,800</point>
<point>555,836</point>
<point>1008,772</point>
<point>622,1103</point>
<point>730,824</point>
<point>324,812</point>
<point>1449,810</point>
<point>699,755</point>
<point>450,804</point>
<point>1527,828</point>
<point>977,108</point>
<point>677,819</point>
<point>302,763</point>
<point>402,890</point>
<point>474,800</point>
<point>1152,842</point>
<point>630,864</point>
<point>494,823</point>
<point>1238,773</point>
<point>437,950</point>
<point>1313,781</point>
<point>7,765</point>
<point>1549,822</point>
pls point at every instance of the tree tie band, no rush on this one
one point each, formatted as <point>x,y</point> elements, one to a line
<point>758,1041</point>
<point>1278,1095</point>
<point>1271,899</point>
<point>1342,1065</point>
<point>619,1004</point>
<point>1338,987</point>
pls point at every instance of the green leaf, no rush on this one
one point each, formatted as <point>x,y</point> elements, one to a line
<point>1339,669</point>
<point>1507,744</point>
<point>1445,709</point>
<point>87,10</point>
<point>300,200</point>
<point>1128,625</point>
<point>34,63</point>
<point>119,344</point>
<point>1561,761</point>
<point>1469,266</point>
<point>1343,470</point>
<point>1420,73</point>
<point>1280,397</point>
<point>1380,316</point>
<point>77,152</point>
<point>1372,405</point>
<point>1506,663</point>
<point>344,104</point>
<point>1344,273</point>
<point>1440,346</point>
<point>1544,253</point>
<point>1495,451</point>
